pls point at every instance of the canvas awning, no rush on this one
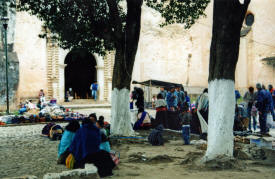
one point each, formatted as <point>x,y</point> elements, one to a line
<point>157,83</point>
<point>269,60</point>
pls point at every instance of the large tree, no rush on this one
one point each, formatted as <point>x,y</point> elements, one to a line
<point>227,23</point>
<point>103,25</point>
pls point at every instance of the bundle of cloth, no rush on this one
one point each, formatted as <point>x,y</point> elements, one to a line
<point>53,131</point>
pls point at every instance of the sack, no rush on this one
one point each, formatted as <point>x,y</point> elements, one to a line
<point>46,129</point>
<point>70,161</point>
<point>56,132</point>
<point>115,157</point>
<point>269,120</point>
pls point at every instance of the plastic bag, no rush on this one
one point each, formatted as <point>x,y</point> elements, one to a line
<point>269,120</point>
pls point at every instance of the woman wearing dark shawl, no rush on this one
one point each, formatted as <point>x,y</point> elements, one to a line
<point>85,149</point>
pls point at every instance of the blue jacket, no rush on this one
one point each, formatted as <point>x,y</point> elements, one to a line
<point>170,99</point>
<point>176,93</point>
<point>66,140</point>
<point>270,101</point>
<point>263,102</point>
<point>94,87</point>
<point>86,141</point>
<point>181,96</point>
<point>237,95</point>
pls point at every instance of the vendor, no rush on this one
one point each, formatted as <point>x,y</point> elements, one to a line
<point>143,120</point>
<point>66,141</point>
<point>85,148</point>
<point>161,104</point>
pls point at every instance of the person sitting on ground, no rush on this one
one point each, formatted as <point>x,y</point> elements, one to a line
<point>160,103</point>
<point>85,148</point>
<point>143,120</point>
<point>155,137</point>
<point>104,145</point>
<point>66,140</point>
<point>23,108</point>
<point>30,105</point>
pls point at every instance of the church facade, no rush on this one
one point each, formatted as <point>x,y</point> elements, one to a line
<point>169,54</point>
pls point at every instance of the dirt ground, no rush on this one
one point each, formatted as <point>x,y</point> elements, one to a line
<point>142,161</point>
<point>35,155</point>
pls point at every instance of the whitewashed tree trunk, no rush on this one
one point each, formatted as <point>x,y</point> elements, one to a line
<point>221,118</point>
<point>126,47</point>
<point>120,113</point>
<point>228,18</point>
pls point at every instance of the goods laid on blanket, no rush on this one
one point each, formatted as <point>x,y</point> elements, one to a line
<point>30,113</point>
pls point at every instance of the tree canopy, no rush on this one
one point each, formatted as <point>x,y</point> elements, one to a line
<point>94,24</point>
<point>3,6</point>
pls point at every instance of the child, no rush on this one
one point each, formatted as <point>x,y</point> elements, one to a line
<point>104,145</point>
<point>185,118</point>
<point>254,113</point>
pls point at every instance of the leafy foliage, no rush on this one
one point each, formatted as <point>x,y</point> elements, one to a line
<point>90,24</point>
<point>179,11</point>
<point>3,6</point>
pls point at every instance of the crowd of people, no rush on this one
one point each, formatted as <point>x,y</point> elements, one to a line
<point>87,143</point>
<point>255,105</point>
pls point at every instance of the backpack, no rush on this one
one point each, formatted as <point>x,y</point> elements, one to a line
<point>155,138</point>
<point>46,129</point>
<point>56,132</point>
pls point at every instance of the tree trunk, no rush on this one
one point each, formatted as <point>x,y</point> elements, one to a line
<point>126,49</point>
<point>227,22</point>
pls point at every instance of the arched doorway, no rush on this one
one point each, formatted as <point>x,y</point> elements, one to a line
<point>80,72</point>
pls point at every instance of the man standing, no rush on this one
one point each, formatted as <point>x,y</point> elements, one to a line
<point>263,107</point>
<point>42,96</point>
<point>163,92</point>
<point>171,99</point>
<point>272,92</point>
<point>249,99</point>
<point>94,88</point>
<point>181,97</point>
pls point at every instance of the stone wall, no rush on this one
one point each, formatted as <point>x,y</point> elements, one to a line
<point>169,54</point>
<point>13,76</point>
<point>32,56</point>
<point>182,56</point>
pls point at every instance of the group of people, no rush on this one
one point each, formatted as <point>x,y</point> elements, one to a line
<point>176,99</point>
<point>261,103</point>
<point>86,143</point>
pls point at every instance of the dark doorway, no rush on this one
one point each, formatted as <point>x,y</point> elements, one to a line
<point>80,73</point>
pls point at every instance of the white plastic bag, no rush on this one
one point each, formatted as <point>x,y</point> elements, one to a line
<point>269,120</point>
